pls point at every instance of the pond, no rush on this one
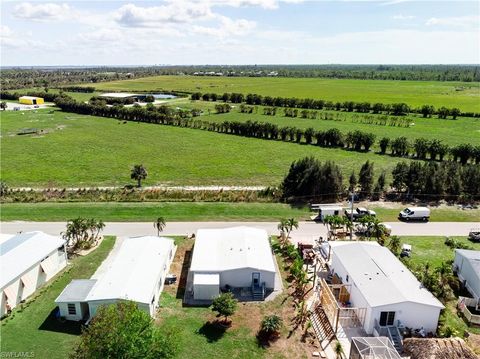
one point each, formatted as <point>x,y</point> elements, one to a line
<point>162,96</point>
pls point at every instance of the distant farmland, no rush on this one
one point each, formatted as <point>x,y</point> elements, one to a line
<point>465,96</point>
<point>77,150</point>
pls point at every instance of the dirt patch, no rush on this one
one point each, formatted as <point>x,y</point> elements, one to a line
<point>473,342</point>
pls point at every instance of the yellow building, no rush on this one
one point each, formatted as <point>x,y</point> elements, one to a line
<point>31,100</point>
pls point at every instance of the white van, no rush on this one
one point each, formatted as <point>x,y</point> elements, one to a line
<point>415,213</point>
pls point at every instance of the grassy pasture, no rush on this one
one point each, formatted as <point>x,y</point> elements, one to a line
<point>465,96</point>
<point>451,132</point>
<point>77,150</point>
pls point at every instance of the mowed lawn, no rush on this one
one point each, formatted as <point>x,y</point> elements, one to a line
<point>465,96</point>
<point>76,150</point>
<point>34,329</point>
<point>196,211</point>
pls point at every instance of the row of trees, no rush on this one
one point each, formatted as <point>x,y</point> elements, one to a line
<point>356,140</point>
<point>308,179</point>
<point>431,180</point>
<point>396,109</point>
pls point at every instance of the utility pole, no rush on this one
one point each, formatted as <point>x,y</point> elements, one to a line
<point>351,215</point>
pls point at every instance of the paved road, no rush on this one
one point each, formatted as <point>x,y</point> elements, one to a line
<point>306,230</point>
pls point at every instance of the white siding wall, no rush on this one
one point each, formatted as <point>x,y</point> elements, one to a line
<point>205,291</point>
<point>243,278</point>
<point>412,315</point>
<point>80,312</point>
<point>467,273</point>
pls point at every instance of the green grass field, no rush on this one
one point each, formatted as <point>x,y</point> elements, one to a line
<point>465,96</point>
<point>194,211</point>
<point>449,131</point>
<point>76,150</point>
<point>33,329</point>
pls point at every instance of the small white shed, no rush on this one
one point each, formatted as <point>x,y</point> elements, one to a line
<point>206,286</point>
<point>237,257</point>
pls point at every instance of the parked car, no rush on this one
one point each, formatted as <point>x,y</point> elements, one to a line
<point>359,212</point>
<point>415,213</point>
<point>474,235</point>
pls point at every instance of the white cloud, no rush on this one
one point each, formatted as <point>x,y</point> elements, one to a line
<point>403,17</point>
<point>42,12</point>
<point>131,15</point>
<point>460,21</point>
<point>228,27</point>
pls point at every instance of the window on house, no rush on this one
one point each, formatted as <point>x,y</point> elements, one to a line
<point>387,318</point>
<point>72,309</point>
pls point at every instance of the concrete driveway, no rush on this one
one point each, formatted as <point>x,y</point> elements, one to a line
<point>306,231</point>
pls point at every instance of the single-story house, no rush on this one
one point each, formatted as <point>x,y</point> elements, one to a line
<point>31,100</point>
<point>377,281</point>
<point>135,271</point>
<point>467,266</point>
<point>237,257</point>
<point>372,348</point>
<point>27,261</point>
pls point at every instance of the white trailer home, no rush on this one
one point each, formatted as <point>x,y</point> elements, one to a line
<point>230,258</point>
<point>377,281</point>
<point>467,266</point>
<point>135,271</point>
<point>28,260</point>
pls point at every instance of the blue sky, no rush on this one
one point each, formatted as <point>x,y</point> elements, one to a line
<point>239,32</point>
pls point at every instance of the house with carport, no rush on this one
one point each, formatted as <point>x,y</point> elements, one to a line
<point>237,259</point>
<point>135,270</point>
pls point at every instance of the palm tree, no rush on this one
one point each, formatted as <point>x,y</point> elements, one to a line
<point>286,225</point>
<point>338,349</point>
<point>138,173</point>
<point>394,244</point>
<point>159,225</point>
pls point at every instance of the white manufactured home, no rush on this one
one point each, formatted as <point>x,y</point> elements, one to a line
<point>135,270</point>
<point>467,266</point>
<point>390,294</point>
<point>231,258</point>
<point>28,260</point>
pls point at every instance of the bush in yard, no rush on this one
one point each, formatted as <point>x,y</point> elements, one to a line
<point>124,331</point>
<point>270,326</point>
<point>225,305</point>
<point>82,233</point>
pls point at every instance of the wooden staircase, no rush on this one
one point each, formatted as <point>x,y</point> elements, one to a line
<point>321,325</point>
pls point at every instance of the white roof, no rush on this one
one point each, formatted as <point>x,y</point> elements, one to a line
<point>380,276</point>
<point>118,94</point>
<point>473,257</point>
<point>218,250</point>
<point>30,97</point>
<point>134,271</point>
<point>22,251</point>
<point>76,291</point>
<point>206,279</point>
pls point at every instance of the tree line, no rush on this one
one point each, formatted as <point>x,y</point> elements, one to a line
<point>353,140</point>
<point>395,109</point>
<point>309,180</point>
